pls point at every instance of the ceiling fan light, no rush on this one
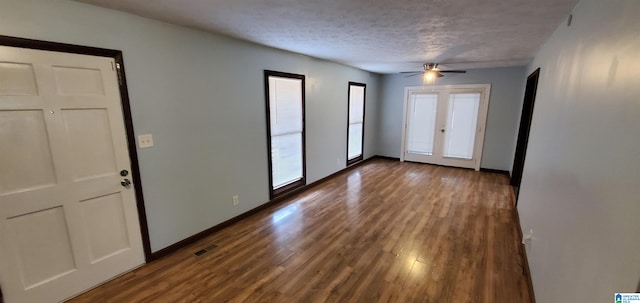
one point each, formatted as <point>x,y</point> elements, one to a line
<point>430,76</point>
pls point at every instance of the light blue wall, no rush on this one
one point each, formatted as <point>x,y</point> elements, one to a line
<point>580,190</point>
<point>202,97</point>
<point>505,104</point>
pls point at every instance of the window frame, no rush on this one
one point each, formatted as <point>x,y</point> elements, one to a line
<point>280,191</point>
<point>364,106</point>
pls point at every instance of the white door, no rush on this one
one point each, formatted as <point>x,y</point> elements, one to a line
<point>66,221</point>
<point>445,124</point>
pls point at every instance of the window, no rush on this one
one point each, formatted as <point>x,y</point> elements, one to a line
<point>285,131</point>
<point>355,128</point>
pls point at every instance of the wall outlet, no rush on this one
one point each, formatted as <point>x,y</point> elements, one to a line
<point>235,200</point>
<point>145,141</point>
<point>526,238</point>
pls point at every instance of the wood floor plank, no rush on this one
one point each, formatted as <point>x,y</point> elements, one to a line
<point>385,231</point>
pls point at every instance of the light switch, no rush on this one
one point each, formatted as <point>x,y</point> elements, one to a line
<point>145,141</point>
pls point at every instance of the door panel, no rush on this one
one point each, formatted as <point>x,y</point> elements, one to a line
<point>90,141</point>
<point>105,226</point>
<point>29,148</point>
<point>72,81</point>
<point>33,231</point>
<point>17,79</point>
<point>66,223</point>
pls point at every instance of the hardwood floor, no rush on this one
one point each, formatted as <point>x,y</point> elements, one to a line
<point>385,231</point>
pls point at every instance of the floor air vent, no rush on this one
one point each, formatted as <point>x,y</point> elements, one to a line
<point>205,250</point>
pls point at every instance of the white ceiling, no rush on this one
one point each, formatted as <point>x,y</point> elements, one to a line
<point>384,36</point>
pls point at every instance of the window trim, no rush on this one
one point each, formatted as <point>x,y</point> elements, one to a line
<point>364,102</point>
<point>277,192</point>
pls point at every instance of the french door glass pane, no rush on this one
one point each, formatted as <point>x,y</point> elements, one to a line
<point>355,140</point>
<point>286,155</point>
<point>462,119</point>
<point>422,122</point>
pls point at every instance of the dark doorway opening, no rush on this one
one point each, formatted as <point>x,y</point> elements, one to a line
<point>523,132</point>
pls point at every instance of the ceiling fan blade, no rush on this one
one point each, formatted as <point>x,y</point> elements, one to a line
<point>415,74</point>
<point>454,71</point>
<point>421,71</point>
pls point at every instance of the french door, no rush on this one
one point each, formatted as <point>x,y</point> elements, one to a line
<point>445,124</point>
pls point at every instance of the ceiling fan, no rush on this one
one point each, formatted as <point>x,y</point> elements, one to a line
<point>432,71</point>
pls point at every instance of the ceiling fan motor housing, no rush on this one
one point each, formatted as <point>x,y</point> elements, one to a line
<point>430,66</point>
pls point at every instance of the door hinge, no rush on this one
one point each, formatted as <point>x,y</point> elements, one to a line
<point>119,73</point>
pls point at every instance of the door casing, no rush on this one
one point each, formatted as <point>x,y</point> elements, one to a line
<point>526,117</point>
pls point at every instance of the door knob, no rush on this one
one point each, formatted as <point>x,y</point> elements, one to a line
<point>124,172</point>
<point>442,130</point>
<point>125,182</point>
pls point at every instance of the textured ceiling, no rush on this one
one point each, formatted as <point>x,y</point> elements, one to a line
<point>381,36</point>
